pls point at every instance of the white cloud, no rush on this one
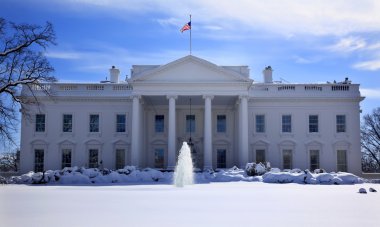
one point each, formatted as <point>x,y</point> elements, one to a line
<point>371,65</point>
<point>70,55</point>
<point>323,17</point>
<point>370,93</point>
<point>303,60</point>
<point>348,44</point>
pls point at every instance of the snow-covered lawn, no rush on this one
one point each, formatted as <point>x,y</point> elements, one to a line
<point>210,204</point>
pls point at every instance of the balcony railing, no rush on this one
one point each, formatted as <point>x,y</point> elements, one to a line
<point>304,90</point>
<point>69,89</point>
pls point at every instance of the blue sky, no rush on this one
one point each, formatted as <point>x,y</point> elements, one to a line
<point>303,41</point>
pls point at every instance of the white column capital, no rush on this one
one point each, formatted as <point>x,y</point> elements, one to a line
<point>136,96</point>
<point>208,97</point>
<point>172,96</point>
<point>243,97</point>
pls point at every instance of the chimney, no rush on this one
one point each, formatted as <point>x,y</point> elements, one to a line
<point>267,73</point>
<point>114,74</point>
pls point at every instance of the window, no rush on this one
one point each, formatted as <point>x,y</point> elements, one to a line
<point>287,159</point>
<point>120,158</point>
<point>94,122</point>
<point>260,156</point>
<point>66,158</point>
<point>159,158</point>
<point>40,122</point>
<point>221,123</point>
<point>221,158</point>
<point>342,160</point>
<point>120,122</point>
<point>159,123</point>
<point>67,125</point>
<point>93,158</point>
<point>38,160</point>
<point>260,123</point>
<point>286,123</point>
<point>190,123</point>
<point>340,123</point>
<point>313,123</point>
<point>314,159</point>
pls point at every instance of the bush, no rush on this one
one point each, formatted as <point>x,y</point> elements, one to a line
<point>253,169</point>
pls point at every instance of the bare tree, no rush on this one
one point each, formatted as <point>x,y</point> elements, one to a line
<point>9,161</point>
<point>22,63</point>
<point>370,139</point>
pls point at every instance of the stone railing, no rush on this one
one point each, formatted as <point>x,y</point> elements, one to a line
<point>304,90</point>
<point>71,89</point>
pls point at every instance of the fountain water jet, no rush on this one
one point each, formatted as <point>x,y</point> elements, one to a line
<point>183,174</point>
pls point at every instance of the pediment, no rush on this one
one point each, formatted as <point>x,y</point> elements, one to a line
<point>190,69</point>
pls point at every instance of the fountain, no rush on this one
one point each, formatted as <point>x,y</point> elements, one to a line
<point>183,174</point>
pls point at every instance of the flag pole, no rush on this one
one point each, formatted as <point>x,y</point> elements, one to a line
<point>190,33</point>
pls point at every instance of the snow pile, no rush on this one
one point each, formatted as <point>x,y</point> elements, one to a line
<point>306,177</point>
<point>82,175</point>
<point>75,175</point>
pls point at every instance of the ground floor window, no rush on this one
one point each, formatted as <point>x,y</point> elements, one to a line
<point>120,158</point>
<point>66,158</point>
<point>159,158</point>
<point>287,159</point>
<point>93,158</point>
<point>221,159</point>
<point>314,159</point>
<point>260,156</point>
<point>342,160</point>
<point>38,160</point>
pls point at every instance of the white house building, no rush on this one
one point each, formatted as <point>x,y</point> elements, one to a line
<point>230,119</point>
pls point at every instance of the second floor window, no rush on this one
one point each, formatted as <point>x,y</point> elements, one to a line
<point>67,123</point>
<point>221,123</point>
<point>94,122</point>
<point>120,122</point>
<point>340,123</point>
<point>190,123</point>
<point>260,123</point>
<point>159,123</point>
<point>40,122</point>
<point>313,123</point>
<point>286,123</point>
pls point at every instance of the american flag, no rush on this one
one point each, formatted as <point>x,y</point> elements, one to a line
<point>187,26</point>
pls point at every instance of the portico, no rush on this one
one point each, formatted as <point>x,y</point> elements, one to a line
<point>169,88</point>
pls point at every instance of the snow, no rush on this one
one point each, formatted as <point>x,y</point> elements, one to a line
<point>75,175</point>
<point>208,204</point>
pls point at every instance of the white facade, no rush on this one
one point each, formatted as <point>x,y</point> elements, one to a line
<point>233,120</point>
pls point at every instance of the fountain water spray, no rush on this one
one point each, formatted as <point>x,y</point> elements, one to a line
<point>183,174</point>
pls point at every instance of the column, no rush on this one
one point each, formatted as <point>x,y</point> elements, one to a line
<point>172,133</point>
<point>243,134</point>
<point>207,160</point>
<point>135,135</point>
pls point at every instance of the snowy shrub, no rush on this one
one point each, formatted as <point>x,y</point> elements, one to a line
<point>319,171</point>
<point>296,170</point>
<point>153,174</point>
<point>274,170</point>
<point>250,169</point>
<point>91,172</point>
<point>127,170</point>
<point>3,180</point>
<point>105,171</point>
<point>253,169</point>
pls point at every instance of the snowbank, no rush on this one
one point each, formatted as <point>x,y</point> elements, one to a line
<point>306,177</point>
<point>83,176</point>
